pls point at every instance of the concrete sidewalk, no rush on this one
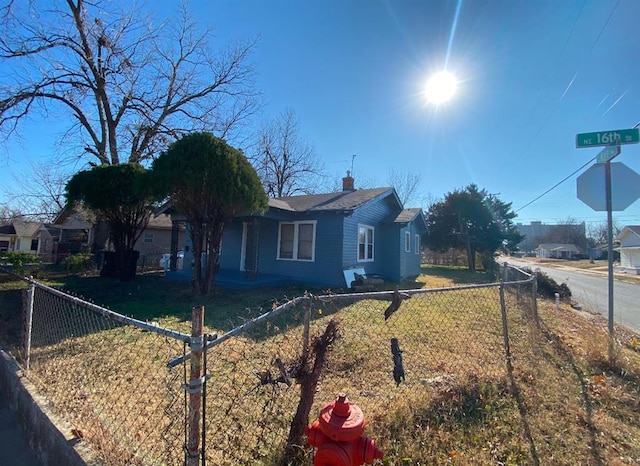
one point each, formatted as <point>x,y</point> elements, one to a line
<point>14,448</point>
<point>25,415</point>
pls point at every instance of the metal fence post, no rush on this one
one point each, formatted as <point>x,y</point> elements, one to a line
<point>194,387</point>
<point>505,328</point>
<point>31,291</point>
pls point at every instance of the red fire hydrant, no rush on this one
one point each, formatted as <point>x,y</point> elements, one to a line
<point>338,436</point>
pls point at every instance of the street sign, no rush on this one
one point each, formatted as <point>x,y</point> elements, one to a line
<point>608,153</point>
<point>625,187</point>
<point>608,138</point>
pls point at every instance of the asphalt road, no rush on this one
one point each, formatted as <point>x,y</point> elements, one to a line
<point>590,290</point>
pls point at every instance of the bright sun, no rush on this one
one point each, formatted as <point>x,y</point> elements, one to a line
<point>441,87</point>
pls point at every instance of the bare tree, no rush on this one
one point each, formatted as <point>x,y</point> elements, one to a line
<point>598,233</point>
<point>9,214</point>
<point>285,162</point>
<point>407,185</point>
<point>126,86</point>
<point>40,193</point>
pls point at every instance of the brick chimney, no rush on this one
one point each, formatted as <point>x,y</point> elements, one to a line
<point>347,182</point>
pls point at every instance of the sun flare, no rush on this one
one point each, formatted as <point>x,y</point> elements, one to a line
<point>441,87</point>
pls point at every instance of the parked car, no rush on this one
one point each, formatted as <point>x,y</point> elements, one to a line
<point>165,260</point>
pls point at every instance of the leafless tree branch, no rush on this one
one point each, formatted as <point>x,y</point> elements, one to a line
<point>130,87</point>
<point>286,163</point>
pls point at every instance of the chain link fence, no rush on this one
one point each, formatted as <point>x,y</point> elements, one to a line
<point>411,359</point>
<point>106,374</point>
<point>408,358</point>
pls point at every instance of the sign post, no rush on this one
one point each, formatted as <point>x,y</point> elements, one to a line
<point>611,139</point>
<point>607,189</point>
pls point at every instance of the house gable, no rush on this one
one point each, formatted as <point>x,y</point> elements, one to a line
<point>629,236</point>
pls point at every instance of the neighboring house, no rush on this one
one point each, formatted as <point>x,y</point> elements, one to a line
<point>72,232</point>
<point>556,250</point>
<point>155,240</point>
<point>597,252</point>
<point>27,237</point>
<point>320,238</point>
<point>629,238</point>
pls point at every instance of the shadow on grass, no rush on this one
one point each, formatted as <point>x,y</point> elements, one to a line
<point>458,275</point>
<point>151,297</point>
<point>563,355</point>
<point>623,408</point>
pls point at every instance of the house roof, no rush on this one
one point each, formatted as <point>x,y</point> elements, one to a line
<point>73,217</point>
<point>407,215</point>
<point>26,229</point>
<point>344,200</point>
<point>558,247</point>
<point>628,229</point>
<point>161,221</point>
<point>7,229</point>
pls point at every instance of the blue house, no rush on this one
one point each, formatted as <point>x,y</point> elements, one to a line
<point>316,238</point>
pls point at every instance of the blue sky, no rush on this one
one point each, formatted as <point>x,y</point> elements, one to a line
<point>532,75</point>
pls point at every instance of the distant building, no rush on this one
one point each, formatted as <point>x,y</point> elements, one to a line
<point>531,233</point>
<point>537,232</point>
<point>557,251</point>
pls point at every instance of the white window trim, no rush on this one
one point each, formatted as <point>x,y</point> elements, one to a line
<point>147,238</point>
<point>373,249</point>
<point>296,229</point>
<point>417,244</point>
<point>407,241</point>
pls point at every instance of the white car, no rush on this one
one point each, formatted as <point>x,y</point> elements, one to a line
<point>165,260</point>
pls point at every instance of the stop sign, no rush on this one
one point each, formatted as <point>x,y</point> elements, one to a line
<point>625,187</point>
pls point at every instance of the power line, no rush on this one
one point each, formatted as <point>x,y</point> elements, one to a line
<point>554,186</point>
<point>562,181</point>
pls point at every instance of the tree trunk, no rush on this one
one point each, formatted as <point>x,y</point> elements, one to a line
<point>308,379</point>
<point>471,257</point>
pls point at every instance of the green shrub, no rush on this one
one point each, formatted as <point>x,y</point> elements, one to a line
<point>20,261</point>
<point>76,263</point>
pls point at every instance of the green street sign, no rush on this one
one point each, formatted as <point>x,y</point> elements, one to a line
<point>608,138</point>
<point>608,153</point>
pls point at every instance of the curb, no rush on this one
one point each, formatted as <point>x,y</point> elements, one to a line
<point>48,435</point>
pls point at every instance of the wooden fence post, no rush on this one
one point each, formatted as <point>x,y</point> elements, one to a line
<point>194,387</point>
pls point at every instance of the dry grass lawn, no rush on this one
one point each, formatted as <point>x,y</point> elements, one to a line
<point>561,401</point>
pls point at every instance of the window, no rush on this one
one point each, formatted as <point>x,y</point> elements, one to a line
<point>407,241</point>
<point>34,244</point>
<point>296,241</point>
<point>148,238</point>
<point>417,248</point>
<point>365,243</point>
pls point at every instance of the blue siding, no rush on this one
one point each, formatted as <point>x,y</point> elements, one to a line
<point>371,214</point>
<point>336,245</point>
<point>409,261</point>
<point>231,246</point>
<point>391,252</point>
<point>326,269</point>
